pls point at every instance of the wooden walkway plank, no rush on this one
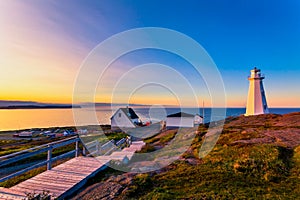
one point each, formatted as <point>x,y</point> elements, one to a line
<point>7,194</point>
<point>67,177</point>
<point>61,178</point>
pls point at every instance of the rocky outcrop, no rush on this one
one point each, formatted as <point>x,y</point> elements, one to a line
<point>106,190</point>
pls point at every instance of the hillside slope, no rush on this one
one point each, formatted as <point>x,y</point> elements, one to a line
<point>255,157</point>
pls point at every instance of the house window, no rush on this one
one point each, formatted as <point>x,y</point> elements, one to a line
<point>120,114</point>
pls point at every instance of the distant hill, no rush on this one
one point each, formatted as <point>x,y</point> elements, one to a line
<point>110,104</point>
<point>41,107</point>
<point>33,105</point>
<point>4,103</point>
<point>37,105</point>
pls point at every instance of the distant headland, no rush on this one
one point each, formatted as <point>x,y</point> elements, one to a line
<point>34,105</point>
<point>41,107</point>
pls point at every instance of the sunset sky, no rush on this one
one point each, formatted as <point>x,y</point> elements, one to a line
<point>43,44</point>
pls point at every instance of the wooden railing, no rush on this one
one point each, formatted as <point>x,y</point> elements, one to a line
<point>27,153</point>
<point>104,149</point>
<point>96,150</point>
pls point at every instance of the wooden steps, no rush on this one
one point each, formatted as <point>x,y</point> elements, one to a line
<point>67,177</point>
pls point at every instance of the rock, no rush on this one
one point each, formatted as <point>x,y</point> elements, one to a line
<point>110,189</point>
<point>193,161</point>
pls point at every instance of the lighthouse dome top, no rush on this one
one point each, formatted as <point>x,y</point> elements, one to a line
<point>255,73</point>
<point>255,69</point>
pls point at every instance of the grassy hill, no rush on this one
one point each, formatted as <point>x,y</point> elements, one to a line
<point>255,157</point>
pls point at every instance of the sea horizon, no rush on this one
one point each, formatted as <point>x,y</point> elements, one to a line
<point>19,119</point>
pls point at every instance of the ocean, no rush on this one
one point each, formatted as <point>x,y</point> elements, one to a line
<point>43,118</point>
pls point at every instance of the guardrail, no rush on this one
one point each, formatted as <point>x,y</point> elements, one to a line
<point>21,155</point>
<point>96,150</point>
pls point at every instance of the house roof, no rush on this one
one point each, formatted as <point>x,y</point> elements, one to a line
<point>199,115</point>
<point>181,114</point>
<point>129,113</point>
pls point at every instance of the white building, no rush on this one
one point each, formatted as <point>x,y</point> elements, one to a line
<point>124,118</point>
<point>257,103</point>
<point>182,119</point>
<point>198,119</point>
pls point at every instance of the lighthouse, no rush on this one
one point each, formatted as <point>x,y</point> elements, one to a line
<point>257,103</point>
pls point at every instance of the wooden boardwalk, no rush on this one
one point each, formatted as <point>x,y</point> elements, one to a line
<point>67,177</point>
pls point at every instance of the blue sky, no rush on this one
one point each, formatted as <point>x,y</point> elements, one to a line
<point>42,41</point>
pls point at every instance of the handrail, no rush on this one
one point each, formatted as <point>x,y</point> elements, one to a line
<point>95,141</point>
<point>23,171</point>
<point>98,149</point>
<point>21,157</point>
<point>63,155</point>
<point>57,145</point>
<point>15,157</point>
<point>21,152</point>
<point>40,150</point>
<point>118,145</point>
<point>108,143</point>
<point>120,142</point>
<point>33,148</point>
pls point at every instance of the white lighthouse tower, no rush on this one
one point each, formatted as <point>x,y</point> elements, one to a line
<point>257,103</point>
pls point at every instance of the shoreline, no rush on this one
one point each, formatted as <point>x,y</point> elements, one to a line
<point>10,131</point>
<point>51,127</point>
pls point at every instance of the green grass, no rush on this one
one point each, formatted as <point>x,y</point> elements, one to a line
<point>147,148</point>
<point>162,138</point>
<point>103,138</point>
<point>15,146</point>
<point>167,137</point>
<point>255,172</point>
<point>115,135</point>
<point>6,142</point>
<point>230,171</point>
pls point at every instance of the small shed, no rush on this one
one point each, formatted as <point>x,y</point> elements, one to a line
<point>182,119</point>
<point>125,118</point>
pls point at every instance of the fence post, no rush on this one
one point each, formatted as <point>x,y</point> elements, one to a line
<point>83,151</point>
<point>49,157</point>
<point>77,147</point>
<point>97,147</point>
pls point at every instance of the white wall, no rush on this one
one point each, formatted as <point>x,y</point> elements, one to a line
<point>180,121</point>
<point>256,98</point>
<point>121,121</point>
<point>198,120</point>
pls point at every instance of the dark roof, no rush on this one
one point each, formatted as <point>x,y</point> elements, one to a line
<point>181,114</point>
<point>199,115</point>
<point>130,113</point>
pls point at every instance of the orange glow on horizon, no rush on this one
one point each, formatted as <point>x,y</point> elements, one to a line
<point>67,99</point>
